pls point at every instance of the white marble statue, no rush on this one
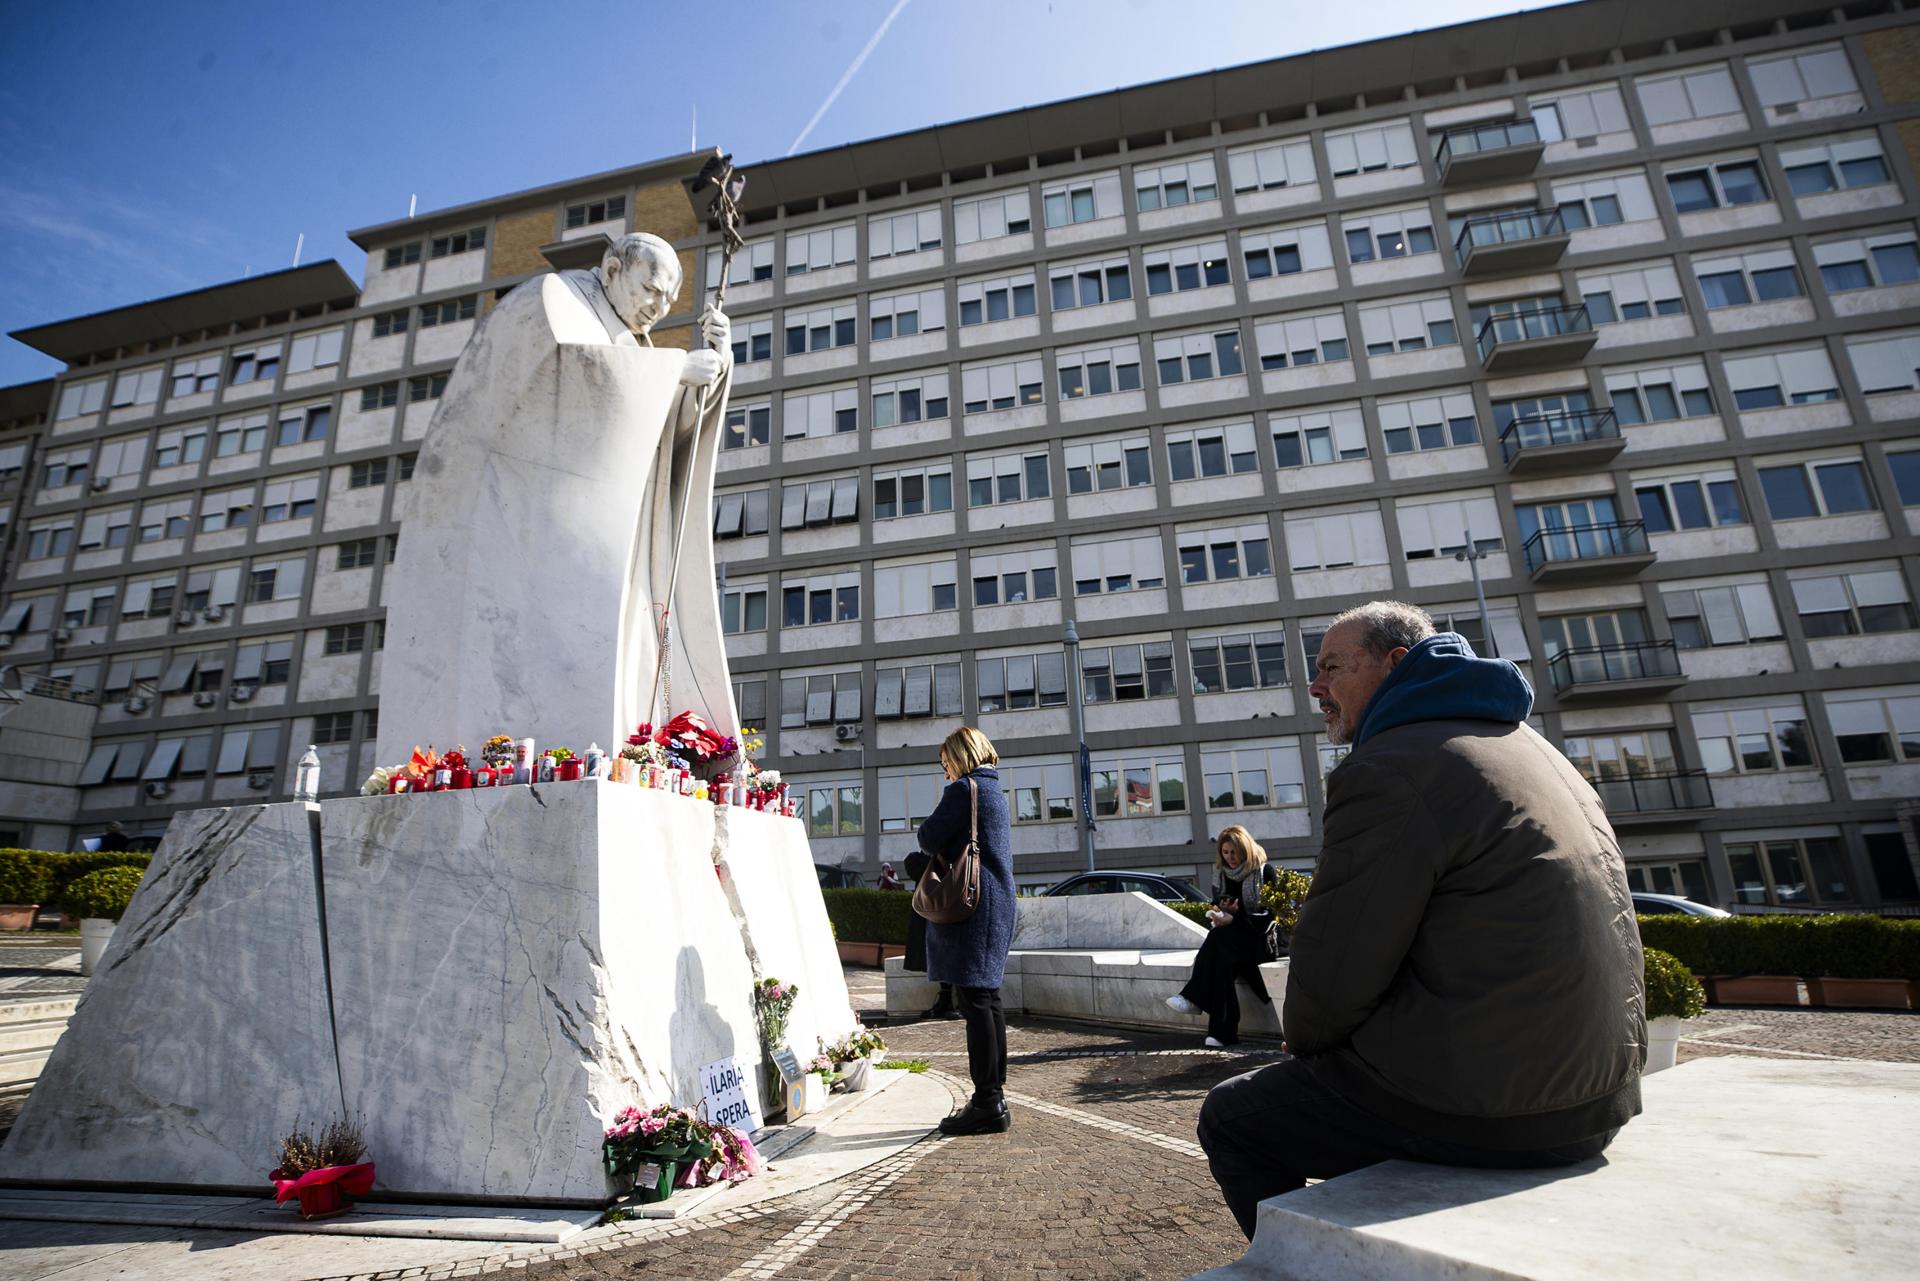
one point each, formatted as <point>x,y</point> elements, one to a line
<point>567,456</point>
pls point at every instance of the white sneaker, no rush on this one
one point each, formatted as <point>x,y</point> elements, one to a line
<point>1214,1043</point>
<point>1181,1005</point>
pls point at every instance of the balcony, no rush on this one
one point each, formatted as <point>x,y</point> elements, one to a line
<point>1484,153</point>
<point>1523,240</point>
<point>1536,339</point>
<point>1586,553</point>
<point>1650,798</point>
<point>1571,441</point>
<point>1615,671</point>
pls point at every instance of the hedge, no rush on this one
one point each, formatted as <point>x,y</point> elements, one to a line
<point>1195,912</point>
<point>102,894</point>
<point>42,876</point>
<point>1841,947</point>
<point>869,916</point>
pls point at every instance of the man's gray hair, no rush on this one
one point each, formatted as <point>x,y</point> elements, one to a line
<point>636,245</point>
<point>1387,625</point>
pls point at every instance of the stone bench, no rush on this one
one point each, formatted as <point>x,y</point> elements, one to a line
<point>1107,958</point>
<point>1739,1167</point>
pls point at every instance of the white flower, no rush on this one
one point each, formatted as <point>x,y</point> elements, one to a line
<point>378,781</point>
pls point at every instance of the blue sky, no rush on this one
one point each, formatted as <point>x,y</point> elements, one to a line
<point>147,149</point>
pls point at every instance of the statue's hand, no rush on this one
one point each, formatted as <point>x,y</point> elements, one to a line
<point>703,368</point>
<point>718,331</point>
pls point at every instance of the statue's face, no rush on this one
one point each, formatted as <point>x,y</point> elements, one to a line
<point>642,293</point>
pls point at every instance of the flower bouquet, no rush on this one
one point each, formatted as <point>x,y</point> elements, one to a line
<point>324,1173</point>
<point>497,752</point>
<point>854,1055</point>
<point>657,1151</point>
<point>772,1003</point>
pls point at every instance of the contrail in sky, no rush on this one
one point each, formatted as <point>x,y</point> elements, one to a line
<point>858,62</point>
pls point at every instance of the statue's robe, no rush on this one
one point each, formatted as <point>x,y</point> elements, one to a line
<point>539,530</point>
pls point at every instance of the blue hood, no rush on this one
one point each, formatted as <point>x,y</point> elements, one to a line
<point>1440,679</point>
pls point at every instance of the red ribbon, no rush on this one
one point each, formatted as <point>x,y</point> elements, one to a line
<point>354,1180</point>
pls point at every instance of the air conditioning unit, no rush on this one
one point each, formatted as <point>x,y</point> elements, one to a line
<point>260,782</point>
<point>62,635</point>
<point>157,790</point>
<point>102,483</point>
<point>213,613</point>
<point>184,618</point>
<point>847,733</point>
<point>135,705</point>
<point>205,698</point>
<point>240,693</point>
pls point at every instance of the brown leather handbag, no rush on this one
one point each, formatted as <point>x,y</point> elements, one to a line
<point>950,890</point>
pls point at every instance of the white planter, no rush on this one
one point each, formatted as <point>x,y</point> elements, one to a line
<point>856,1074</point>
<point>95,933</point>
<point>815,1093</point>
<point>1663,1040</point>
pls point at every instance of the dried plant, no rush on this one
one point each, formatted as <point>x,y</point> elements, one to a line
<point>339,1144</point>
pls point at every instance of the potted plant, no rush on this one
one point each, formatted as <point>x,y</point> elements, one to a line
<point>24,880</point>
<point>854,1055</point>
<point>645,1150</point>
<point>323,1173</point>
<point>772,1003</point>
<point>1672,994</point>
<point>1283,898</point>
<point>821,1079</point>
<point>99,899</point>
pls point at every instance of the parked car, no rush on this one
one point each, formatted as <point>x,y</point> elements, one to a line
<point>1672,905</point>
<point>836,878</point>
<point>1167,889</point>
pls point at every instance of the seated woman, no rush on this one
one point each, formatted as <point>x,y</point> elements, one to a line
<point>1237,942</point>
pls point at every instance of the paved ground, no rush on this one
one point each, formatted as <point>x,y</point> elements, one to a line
<point>1100,1177</point>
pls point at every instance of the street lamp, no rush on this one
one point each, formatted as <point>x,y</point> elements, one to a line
<point>1473,556</point>
<point>1084,821</point>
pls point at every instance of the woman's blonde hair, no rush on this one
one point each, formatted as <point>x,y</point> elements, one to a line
<point>1251,852</point>
<point>966,750</point>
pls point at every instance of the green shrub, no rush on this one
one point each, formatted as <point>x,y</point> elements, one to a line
<point>869,916</point>
<point>68,868</point>
<point>1195,912</point>
<point>1805,946</point>
<point>1671,988</point>
<point>103,894</point>
<point>26,876</point>
<point>1284,896</point>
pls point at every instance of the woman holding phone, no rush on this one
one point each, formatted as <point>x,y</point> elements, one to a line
<point>1237,942</point>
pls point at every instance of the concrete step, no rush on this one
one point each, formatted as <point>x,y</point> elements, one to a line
<point>36,1034</point>
<point>21,1068</point>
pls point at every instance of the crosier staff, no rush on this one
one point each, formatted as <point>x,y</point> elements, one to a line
<point>724,216</point>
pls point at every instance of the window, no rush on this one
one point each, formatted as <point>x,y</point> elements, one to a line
<point>1632,292</point>
<point>431,387</point>
<point>332,727</point>
<point>1127,673</point>
<point>917,690</point>
<point>1659,393</point>
<point>811,504</point>
<point>131,674</point>
<point>588,212</point>
<point>1301,340</point>
<point>1824,487</point>
<point>68,467</point>
<point>1802,75</point>
<point>1905,466</point>
<point>113,762</point>
<point>1331,435</point>
<point>1409,325</point>
<point>1190,358</point>
<point>905,588</point>
<point>1722,184</point>
<point>906,232</point>
<point>1015,577</point>
<point>831,411</point>
<point>1018,682</point>
<point>1097,371</point>
<point>388,323</point>
<point>1285,251</point>
<point>1509,638</point>
<point>1179,183</point>
<point>300,424</point>
<point>1003,385</point>
<point>1834,164</point>
<point>49,538</point>
<point>459,242</point>
<point>1389,233</point>
<point>1753,736</point>
<point>1605,758</point>
<point>1272,165</point>
<point>820,328</point>
<point>1598,629</point>
<point>740,515</point>
<point>166,518</point>
<point>362,475</point>
<point>228,509</point>
<point>904,315</point>
<point>253,364</point>
<point>1579,113</point>
<point>827,597</point>
<point>1691,499</point>
<point>12,459</point>
<point>999,298</point>
<point>148,598</point>
<point>907,799</point>
<point>88,607</point>
<point>1335,540</point>
<point>1235,661</point>
<point>138,386</point>
<point>1861,262</point>
<point>1445,421</point>
<point>240,435</point>
<point>753,340</point>
<point>289,499</point>
<point>821,698</point>
<point>100,529</point>
<point>1222,553</point>
<point>317,350</point>
<point>1775,871</point>
<point>448,311</point>
<point>1086,199</point>
<point>909,398</point>
<point>1132,562</point>
<point>747,425</point>
<point>1886,362</point>
<point>191,377</point>
<point>1758,275</point>
<point>1371,149</point>
<point>1766,380</point>
<point>1179,268</point>
<point>1438,527</point>
<point>361,553</point>
<point>1007,478</point>
<point>345,638</point>
<point>1871,726</point>
<point>379,396</point>
<point>402,255</point>
<point>404,465</point>
<point>1039,792</point>
<point>1852,601</point>
<point>752,264</point>
<point>1225,449</point>
<point>834,809</point>
<point>254,749</point>
<point>1090,283</point>
<point>991,217</point>
<point>743,609</point>
<point>1604,200</point>
<point>820,249</point>
<point>1249,776</point>
<point>1139,785</point>
<point>750,697</point>
<point>1694,94</point>
<point>1102,465</point>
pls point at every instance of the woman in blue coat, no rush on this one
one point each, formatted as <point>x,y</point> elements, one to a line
<point>972,954</point>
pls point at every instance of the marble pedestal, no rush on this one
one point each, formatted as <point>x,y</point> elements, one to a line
<point>499,971</point>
